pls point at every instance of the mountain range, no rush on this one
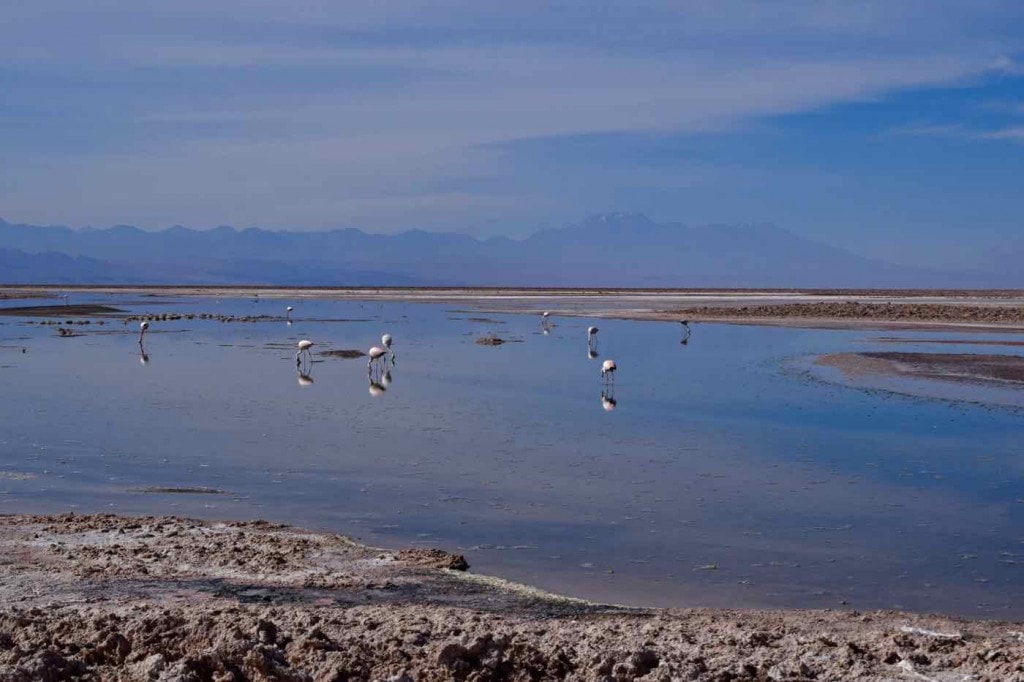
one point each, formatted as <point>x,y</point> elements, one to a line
<point>608,250</point>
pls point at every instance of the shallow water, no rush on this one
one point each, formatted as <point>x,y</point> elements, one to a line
<point>726,475</point>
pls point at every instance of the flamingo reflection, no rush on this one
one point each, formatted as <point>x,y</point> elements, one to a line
<point>377,388</point>
<point>608,401</point>
<point>686,332</point>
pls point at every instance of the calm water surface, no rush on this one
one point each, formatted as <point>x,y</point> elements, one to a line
<point>725,475</point>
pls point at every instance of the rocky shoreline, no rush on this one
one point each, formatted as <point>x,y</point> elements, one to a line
<point>106,597</point>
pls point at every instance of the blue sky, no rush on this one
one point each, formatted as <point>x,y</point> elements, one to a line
<point>891,128</point>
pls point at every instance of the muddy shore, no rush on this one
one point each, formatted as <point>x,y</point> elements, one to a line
<point>115,598</point>
<point>992,370</point>
<point>970,314</point>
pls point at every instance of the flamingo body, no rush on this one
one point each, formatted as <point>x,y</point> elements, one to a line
<point>375,353</point>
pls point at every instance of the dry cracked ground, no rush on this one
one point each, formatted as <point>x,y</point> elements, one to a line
<point>115,598</point>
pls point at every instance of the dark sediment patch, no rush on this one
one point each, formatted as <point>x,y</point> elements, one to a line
<point>180,490</point>
<point>949,342</point>
<point>343,354</point>
<point>490,341</point>
<point>59,310</point>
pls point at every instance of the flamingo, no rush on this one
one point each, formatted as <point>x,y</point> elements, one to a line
<point>288,312</point>
<point>303,348</point>
<point>544,318</point>
<point>142,330</point>
<point>375,353</point>
<point>608,368</point>
<point>592,338</point>
<point>386,340</point>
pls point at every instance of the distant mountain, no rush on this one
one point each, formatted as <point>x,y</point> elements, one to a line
<point>18,267</point>
<point>617,249</point>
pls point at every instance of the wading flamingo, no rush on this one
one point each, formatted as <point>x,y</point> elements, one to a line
<point>608,368</point>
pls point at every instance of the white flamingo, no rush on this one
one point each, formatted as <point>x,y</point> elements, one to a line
<point>288,312</point>
<point>142,330</point>
<point>303,349</point>
<point>375,353</point>
<point>608,368</point>
<point>386,340</point>
<point>545,318</point>
<point>592,338</point>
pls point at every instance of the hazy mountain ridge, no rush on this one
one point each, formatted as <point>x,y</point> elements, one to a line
<point>619,249</point>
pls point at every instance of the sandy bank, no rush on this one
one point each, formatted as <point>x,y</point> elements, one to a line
<point>964,310</point>
<point>58,310</point>
<point>112,598</point>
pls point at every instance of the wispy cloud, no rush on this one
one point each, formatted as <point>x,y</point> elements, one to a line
<point>318,113</point>
<point>1015,133</point>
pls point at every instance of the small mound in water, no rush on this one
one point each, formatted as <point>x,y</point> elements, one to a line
<point>490,341</point>
<point>433,558</point>
<point>185,490</point>
<point>16,476</point>
<point>344,354</point>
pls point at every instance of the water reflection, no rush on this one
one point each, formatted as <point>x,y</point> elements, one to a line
<point>686,332</point>
<point>143,355</point>
<point>608,401</point>
<point>305,379</point>
<point>591,354</point>
<point>377,388</point>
